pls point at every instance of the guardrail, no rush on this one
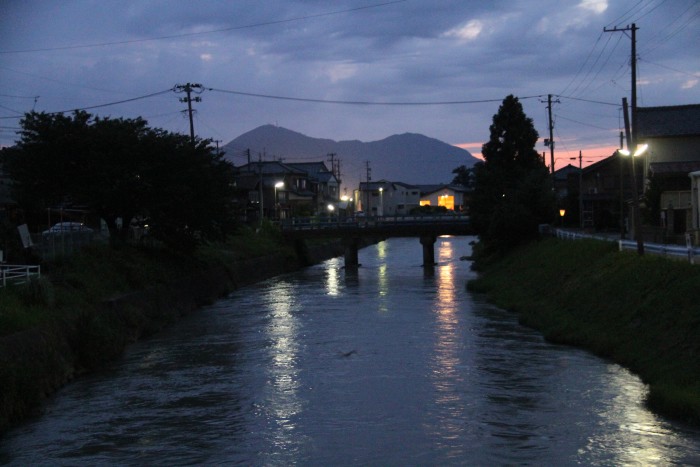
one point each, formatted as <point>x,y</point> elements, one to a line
<point>310,223</point>
<point>676,251</point>
<point>18,274</point>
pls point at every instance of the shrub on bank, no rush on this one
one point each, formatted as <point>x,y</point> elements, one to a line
<point>639,311</point>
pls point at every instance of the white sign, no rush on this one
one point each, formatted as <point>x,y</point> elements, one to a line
<point>24,235</point>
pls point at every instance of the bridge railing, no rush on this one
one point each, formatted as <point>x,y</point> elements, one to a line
<point>313,223</point>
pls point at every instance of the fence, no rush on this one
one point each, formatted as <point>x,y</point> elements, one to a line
<point>61,244</point>
<point>675,251</point>
<point>18,274</point>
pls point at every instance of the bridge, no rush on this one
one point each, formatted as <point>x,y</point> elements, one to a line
<point>350,230</point>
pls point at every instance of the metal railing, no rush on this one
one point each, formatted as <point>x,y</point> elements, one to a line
<point>313,223</point>
<point>675,251</point>
<point>18,273</point>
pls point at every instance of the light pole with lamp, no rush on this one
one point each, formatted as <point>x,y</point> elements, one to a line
<point>635,197</point>
<point>380,212</point>
<point>278,185</point>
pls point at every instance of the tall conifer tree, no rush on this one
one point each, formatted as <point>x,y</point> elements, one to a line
<point>513,190</point>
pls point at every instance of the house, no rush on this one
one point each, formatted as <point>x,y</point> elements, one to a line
<point>695,203</point>
<point>275,190</point>
<point>606,188</point>
<point>672,134</point>
<point>385,198</point>
<point>453,197</point>
<point>322,182</point>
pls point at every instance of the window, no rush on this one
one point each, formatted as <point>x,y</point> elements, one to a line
<point>447,201</point>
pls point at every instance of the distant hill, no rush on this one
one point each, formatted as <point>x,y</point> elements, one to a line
<point>410,157</point>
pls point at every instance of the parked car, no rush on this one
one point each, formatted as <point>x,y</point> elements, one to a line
<point>63,228</point>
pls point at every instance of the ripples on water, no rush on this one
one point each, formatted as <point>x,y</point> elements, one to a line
<point>384,365</point>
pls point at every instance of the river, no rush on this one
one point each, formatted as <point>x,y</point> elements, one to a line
<point>383,365</point>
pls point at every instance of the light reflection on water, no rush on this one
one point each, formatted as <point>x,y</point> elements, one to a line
<point>386,364</point>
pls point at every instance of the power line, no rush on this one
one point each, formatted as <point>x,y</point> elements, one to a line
<point>694,75</point>
<point>327,101</point>
<point>588,100</point>
<point>580,123</point>
<point>211,31</point>
<point>103,105</point>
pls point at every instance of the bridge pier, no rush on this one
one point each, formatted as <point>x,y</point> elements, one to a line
<point>351,247</point>
<point>428,242</point>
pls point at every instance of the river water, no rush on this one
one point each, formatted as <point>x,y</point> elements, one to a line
<point>384,365</point>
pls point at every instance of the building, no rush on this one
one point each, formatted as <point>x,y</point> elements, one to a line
<point>452,197</point>
<point>275,190</point>
<point>672,134</point>
<point>385,198</point>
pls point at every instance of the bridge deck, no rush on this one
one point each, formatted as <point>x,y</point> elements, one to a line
<point>384,226</point>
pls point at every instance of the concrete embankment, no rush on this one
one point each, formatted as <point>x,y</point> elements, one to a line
<point>36,362</point>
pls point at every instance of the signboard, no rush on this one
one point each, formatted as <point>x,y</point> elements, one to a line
<point>24,235</point>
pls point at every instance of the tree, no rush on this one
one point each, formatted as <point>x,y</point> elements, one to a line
<point>512,188</point>
<point>120,169</point>
<point>464,176</point>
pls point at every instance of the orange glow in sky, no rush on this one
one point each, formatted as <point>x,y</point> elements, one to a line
<point>562,158</point>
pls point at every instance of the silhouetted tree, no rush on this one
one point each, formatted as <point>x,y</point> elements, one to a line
<point>512,187</point>
<point>464,176</point>
<point>122,169</point>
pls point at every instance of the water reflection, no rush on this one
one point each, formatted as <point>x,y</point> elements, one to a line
<point>281,402</point>
<point>448,371</point>
<point>303,370</point>
<point>333,278</point>
<point>635,434</point>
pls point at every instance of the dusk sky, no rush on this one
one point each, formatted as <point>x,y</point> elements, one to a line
<point>351,69</point>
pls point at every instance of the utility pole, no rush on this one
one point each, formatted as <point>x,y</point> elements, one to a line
<point>335,171</point>
<point>550,142</point>
<point>189,89</point>
<point>261,188</point>
<point>633,89</point>
<point>368,211</point>
<point>622,189</point>
<point>637,220</point>
<point>580,189</point>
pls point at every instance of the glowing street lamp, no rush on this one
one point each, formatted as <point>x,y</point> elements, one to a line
<point>381,201</point>
<point>641,149</point>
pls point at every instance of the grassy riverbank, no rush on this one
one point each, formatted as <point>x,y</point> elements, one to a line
<point>86,309</point>
<point>73,285</point>
<point>641,312</point>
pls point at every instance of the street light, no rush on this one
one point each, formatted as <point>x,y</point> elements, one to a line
<point>381,201</point>
<point>641,149</point>
<point>277,186</point>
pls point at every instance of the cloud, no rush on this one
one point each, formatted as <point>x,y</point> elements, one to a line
<point>595,6</point>
<point>467,32</point>
<point>206,57</point>
<point>341,71</point>
<point>690,84</point>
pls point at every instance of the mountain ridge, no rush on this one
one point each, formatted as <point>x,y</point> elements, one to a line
<point>408,157</point>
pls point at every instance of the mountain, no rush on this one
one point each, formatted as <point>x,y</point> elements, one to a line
<point>410,157</point>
